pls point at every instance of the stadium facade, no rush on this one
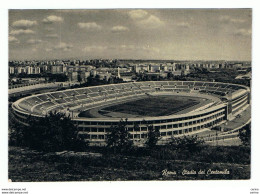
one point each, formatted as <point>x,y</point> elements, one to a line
<point>227,101</point>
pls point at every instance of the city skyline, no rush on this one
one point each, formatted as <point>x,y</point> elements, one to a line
<point>165,34</point>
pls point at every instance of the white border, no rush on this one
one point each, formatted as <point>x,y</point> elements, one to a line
<point>237,187</point>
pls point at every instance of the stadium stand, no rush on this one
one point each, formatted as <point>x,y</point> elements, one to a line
<point>232,98</point>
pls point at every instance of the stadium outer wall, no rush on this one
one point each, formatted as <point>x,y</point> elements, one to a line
<point>94,130</point>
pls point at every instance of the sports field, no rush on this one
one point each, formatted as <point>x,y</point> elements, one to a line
<point>154,105</point>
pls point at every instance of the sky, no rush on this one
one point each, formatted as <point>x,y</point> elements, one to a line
<point>170,34</point>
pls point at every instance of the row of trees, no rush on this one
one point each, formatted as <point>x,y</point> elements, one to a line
<point>56,132</point>
<point>119,139</point>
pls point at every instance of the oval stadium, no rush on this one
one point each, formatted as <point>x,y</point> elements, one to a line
<point>176,108</point>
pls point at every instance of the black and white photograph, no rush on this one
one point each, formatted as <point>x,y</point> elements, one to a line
<point>128,95</point>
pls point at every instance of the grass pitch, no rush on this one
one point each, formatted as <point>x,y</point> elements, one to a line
<point>155,105</point>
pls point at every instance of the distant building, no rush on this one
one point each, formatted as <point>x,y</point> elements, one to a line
<point>153,68</point>
<point>118,72</point>
<point>73,76</point>
<point>127,76</point>
<point>57,69</point>
<point>21,70</point>
<point>177,73</point>
<point>141,68</point>
<point>11,70</point>
<point>84,76</point>
<point>33,70</point>
<point>93,73</point>
<point>238,65</point>
<point>157,75</point>
<point>169,67</point>
<point>104,75</point>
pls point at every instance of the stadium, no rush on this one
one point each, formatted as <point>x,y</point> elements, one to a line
<point>176,108</point>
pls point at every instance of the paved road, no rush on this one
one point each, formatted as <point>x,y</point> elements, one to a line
<point>237,122</point>
<point>230,139</point>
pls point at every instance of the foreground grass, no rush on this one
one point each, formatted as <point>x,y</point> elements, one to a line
<point>26,165</point>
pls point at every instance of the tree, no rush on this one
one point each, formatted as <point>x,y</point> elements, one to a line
<point>54,132</point>
<point>79,77</point>
<point>15,131</point>
<point>119,138</point>
<point>245,135</point>
<point>152,136</point>
<point>189,143</point>
<point>58,77</point>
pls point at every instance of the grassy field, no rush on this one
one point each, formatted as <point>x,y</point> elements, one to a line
<point>27,165</point>
<point>155,105</point>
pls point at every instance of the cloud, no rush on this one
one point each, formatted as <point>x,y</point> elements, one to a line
<point>229,19</point>
<point>234,20</point>
<point>183,24</point>
<point>138,14</point>
<point>224,18</point>
<point>34,41</point>
<point>89,26</point>
<point>94,48</point>
<point>124,48</point>
<point>21,31</point>
<point>51,36</point>
<point>48,49</point>
<point>49,29</point>
<point>243,32</point>
<point>12,39</point>
<point>34,49</point>
<point>63,46</point>
<point>137,48</point>
<point>24,24</point>
<point>151,22</point>
<point>144,19</point>
<point>77,11</point>
<point>150,49</point>
<point>119,29</point>
<point>52,19</point>
<point>146,49</point>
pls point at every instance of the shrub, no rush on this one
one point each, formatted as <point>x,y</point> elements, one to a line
<point>189,143</point>
<point>245,135</point>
